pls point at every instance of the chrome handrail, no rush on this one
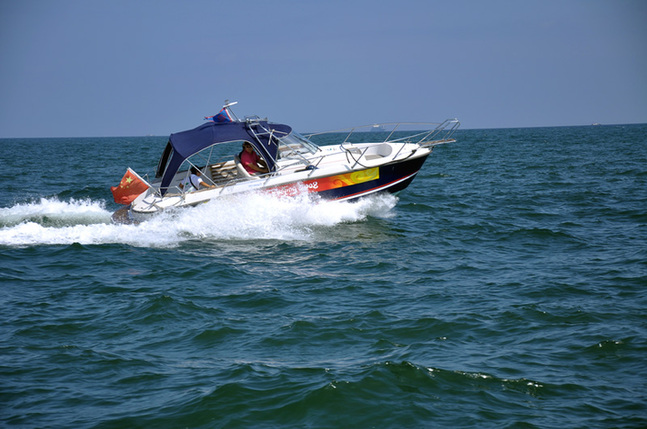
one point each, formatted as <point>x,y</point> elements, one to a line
<point>441,133</point>
<point>424,132</point>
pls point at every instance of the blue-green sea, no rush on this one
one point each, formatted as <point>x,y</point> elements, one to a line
<point>505,288</point>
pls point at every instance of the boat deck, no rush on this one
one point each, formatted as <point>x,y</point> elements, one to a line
<point>223,173</point>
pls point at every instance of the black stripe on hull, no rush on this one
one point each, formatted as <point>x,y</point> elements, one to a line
<point>393,178</point>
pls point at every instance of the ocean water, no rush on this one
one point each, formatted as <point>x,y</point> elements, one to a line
<point>506,287</point>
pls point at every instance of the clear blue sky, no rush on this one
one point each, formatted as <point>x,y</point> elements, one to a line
<point>129,68</point>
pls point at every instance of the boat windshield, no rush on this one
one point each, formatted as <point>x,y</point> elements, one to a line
<point>211,155</point>
<point>295,145</point>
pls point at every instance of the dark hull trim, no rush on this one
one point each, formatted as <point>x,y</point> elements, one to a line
<point>392,178</point>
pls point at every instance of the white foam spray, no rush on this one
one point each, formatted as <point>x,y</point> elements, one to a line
<point>250,216</point>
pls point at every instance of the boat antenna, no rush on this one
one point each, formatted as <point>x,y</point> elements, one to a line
<point>229,104</point>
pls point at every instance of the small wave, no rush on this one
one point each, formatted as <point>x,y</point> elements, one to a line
<point>417,391</point>
<point>253,216</point>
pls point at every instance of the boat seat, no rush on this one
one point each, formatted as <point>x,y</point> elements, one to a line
<point>384,150</point>
<point>241,170</point>
<point>223,172</point>
<point>379,151</point>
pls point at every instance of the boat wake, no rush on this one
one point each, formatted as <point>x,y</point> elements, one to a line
<point>51,212</point>
<point>50,221</point>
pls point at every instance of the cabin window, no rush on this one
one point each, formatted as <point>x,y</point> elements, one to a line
<point>166,156</point>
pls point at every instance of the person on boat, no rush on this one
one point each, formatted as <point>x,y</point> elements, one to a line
<point>252,163</point>
<point>194,182</point>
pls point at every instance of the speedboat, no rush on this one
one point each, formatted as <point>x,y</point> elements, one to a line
<point>336,165</point>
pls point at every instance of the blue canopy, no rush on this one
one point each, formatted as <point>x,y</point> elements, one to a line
<point>186,143</point>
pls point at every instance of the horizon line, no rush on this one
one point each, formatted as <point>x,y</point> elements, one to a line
<point>595,124</point>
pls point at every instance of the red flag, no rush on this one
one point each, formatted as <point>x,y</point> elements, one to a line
<point>129,188</point>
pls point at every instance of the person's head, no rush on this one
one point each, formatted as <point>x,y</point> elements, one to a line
<point>195,170</point>
<point>247,146</point>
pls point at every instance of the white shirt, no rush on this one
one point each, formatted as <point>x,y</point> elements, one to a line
<point>192,183</point>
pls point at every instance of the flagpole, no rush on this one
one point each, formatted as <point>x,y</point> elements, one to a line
<point>139,177</point>
<point>227,105</point>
